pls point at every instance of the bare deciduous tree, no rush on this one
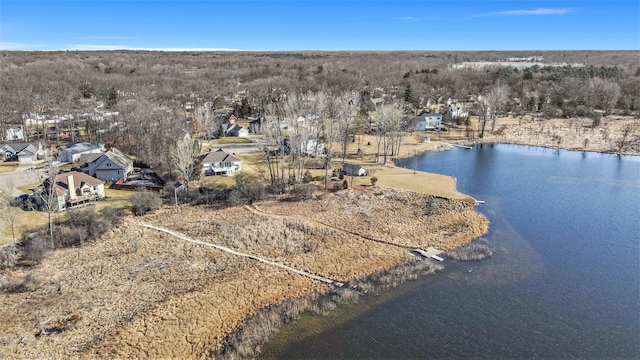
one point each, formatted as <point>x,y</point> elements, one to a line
<point>387,124</point>
<point>184,156</point>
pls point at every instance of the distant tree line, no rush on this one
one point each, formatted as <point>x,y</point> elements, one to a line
<point>159,95</point>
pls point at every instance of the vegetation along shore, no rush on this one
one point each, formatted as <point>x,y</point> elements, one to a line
<point>314,213</point>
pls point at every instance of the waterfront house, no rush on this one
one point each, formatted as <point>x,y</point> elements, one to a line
<point>70,189</point>
<point>110,166</point>
<point>428,121</point>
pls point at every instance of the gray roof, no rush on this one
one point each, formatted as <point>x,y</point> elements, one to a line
<point>118,158</point>
<point>429,114</point>
<point>219,156</point>
<point>18,147</point>
<point>352,167</point>
<point>81,147</point>
<point>88,158</point>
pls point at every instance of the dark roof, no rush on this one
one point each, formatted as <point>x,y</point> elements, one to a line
<point>219,156</point>
<point>89,158</point>
<point>233,129</point>
<point>429,114</point>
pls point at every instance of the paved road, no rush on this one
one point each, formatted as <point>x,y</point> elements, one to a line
<point>239,148</point>
<point>23,175</point>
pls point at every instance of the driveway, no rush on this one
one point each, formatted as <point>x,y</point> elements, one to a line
<point>24,174</point>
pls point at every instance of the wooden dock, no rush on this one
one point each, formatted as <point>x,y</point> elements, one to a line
<point>429,253</point>
<point>462,146</point>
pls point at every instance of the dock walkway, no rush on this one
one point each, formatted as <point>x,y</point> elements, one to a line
<point>253,257</point>
<point>430,252</point>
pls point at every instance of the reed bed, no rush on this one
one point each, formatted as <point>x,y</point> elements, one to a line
<point>139,293</point>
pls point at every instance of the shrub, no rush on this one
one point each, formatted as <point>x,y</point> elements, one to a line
<point>9,255</point>
<point>68,236</point>
<point>307,177</point>
<point>210,195</point>
<point>35,245</point>
<point>112,215</point>
<point>247,190</point>
<point>145,202</point>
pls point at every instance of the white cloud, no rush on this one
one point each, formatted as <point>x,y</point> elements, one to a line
<point>96,47</point>
<point>4,45</point>
<point>405,18</point>
<point>89,47</point>
<point>534,12</point>
<point>107,38</point>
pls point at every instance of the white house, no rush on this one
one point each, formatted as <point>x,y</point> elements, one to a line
<point>221,163</point>
<point>14,134</point>
<point>428,121</point>
<point>23,152</point>
<point>235,130</point>
<point>456,112</point>
<point>72,152</point>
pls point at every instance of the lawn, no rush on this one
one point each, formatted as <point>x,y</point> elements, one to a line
<point>29,220</point>
<point>230,140</point>
<point>9,166</point>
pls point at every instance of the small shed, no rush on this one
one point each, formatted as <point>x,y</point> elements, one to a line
<point>353,170</point>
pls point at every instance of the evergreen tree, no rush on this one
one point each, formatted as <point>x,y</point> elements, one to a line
<point>408,94</point>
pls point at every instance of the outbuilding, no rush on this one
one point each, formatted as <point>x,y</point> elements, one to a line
<point>353,170</point>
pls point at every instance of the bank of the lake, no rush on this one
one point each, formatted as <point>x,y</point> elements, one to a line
<point>139,292</point>
<point>563,282</point>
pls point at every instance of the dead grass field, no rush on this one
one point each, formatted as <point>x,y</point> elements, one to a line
<point>572,134</point>
<point>9,166</point>
<point>140,293</point>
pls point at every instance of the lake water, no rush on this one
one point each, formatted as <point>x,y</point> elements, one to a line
<point>564,281</point>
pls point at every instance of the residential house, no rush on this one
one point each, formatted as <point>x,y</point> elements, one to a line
<point>110,166</point>
<point>73,151</point>
<point>427,121</point>
<point>23,152</point>
<point>14,134</point>
<point>353,170</point>
<point>221,163</point>
<point>234,130</point>
<point>454,112</point>
<point>86,159</point>
<point>70,189</point>
<point>255,126</point>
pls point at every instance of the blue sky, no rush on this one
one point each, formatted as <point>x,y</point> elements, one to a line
<point>320,25</point>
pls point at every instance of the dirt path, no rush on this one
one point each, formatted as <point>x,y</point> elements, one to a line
<point>253,257</point>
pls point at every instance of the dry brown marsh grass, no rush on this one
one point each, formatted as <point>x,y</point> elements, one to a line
<point>138,292</point>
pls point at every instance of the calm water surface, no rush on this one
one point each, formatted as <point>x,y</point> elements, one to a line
<point>564,283</point>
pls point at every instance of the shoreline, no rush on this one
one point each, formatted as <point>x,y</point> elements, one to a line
<point>185,300</point>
